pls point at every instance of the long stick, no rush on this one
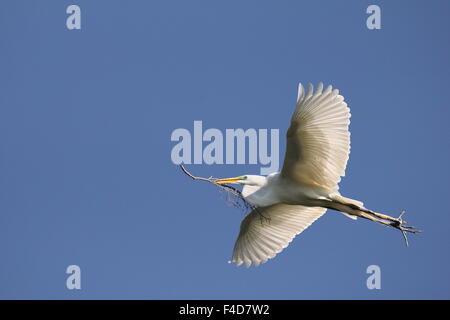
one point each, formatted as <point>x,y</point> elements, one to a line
<point>212,180</point>
<point>226,187</point>
<point>194,177</point>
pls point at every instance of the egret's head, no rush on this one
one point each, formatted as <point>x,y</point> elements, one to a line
<point>251,180</point>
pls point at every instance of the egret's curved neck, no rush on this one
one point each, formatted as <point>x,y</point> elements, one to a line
<point>262,191</point>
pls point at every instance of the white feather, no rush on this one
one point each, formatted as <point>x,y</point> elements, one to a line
<point>267,231</point>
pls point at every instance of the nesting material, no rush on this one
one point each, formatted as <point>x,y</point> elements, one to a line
<point>233,195</point>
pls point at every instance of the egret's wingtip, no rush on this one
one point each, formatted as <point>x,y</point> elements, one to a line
<point>299,91</point>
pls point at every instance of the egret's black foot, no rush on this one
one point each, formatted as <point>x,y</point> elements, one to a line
<point>399,224</point>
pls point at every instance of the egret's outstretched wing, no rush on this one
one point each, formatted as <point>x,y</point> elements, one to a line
<point>318,140</point>
<point>266,231</point>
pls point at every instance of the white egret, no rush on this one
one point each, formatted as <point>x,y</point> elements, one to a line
<point>287,202</point>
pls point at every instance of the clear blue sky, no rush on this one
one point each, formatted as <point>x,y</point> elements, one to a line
<point>86,117</point>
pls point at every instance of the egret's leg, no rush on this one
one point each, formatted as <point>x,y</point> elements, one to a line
<point>353,209</point>
<point>396,223</point>
<point>376,214</point>
<point>380,215</point>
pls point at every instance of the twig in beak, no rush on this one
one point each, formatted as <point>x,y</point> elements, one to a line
<point>211,179</point>
<point>223,186</point>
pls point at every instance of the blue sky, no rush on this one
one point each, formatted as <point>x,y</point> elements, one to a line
<point>86,117</point>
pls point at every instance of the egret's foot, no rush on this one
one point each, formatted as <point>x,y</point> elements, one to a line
<point>399,224</point>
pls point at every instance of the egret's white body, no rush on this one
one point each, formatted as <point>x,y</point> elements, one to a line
<point>265,191</point>
<point>287,202</point>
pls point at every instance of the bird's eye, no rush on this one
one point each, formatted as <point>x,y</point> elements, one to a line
<point>243,177</point>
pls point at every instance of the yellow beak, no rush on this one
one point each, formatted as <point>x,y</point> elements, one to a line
<point>228,180</point>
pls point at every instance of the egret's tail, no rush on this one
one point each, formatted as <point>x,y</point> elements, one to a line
<point>349,202</point>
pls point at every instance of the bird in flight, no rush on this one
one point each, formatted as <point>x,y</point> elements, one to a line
<point>284,204</point>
